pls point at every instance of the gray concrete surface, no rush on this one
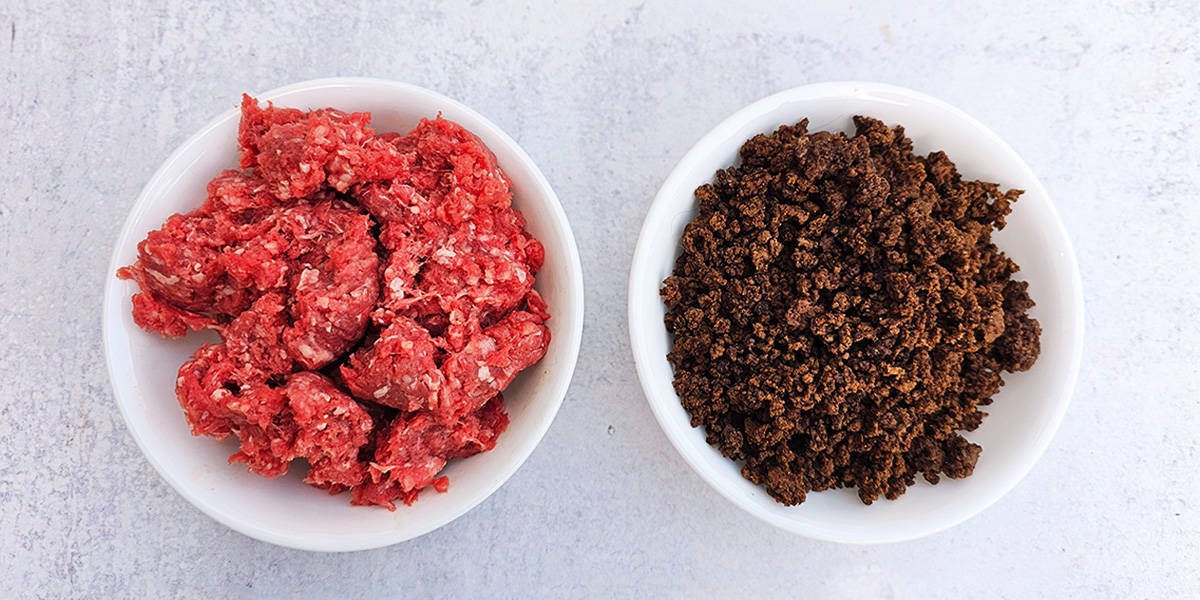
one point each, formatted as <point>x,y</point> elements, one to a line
<point>1101,98</point>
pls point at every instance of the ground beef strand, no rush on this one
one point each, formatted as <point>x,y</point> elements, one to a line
<point>840,313</point>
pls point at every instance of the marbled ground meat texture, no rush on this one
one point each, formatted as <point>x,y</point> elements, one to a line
<point>373,294</point>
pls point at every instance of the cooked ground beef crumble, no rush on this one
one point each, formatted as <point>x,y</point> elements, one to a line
<point>840,312</point>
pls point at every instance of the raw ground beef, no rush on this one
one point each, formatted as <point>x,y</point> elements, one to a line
<point>413,450</point>
<point>373,293</point>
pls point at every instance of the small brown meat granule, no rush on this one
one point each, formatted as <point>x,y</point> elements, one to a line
<point>840,312</point>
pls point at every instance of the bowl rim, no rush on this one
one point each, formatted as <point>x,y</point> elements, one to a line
<point>712,141</point>
<point>126,395</point>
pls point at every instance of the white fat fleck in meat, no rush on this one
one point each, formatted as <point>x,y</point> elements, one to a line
<point>521,275</point>
<point>305,167</point>
<point>163,279</point>
<point>487,344</point>
<point>308,277</point>
<point>312,354</point>
<point>322,426</point>
<point>381,392</point>
<point>484,373</point>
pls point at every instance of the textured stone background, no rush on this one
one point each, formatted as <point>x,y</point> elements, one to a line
<point>1100,98</point>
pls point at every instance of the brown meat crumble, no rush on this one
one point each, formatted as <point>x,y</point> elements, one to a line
<point>840,313</point>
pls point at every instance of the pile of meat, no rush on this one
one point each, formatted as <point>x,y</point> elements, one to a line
<point>374,296</point>
<point>840,313</point>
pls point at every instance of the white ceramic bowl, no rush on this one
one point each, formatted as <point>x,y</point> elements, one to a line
<point>1025,414</point>
<point>284,511</point>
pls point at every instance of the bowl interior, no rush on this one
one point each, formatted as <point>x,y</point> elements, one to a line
<point>284,511</point>
<point>1024,415</point>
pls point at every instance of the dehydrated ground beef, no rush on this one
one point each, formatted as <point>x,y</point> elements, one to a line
<point>840,313</point>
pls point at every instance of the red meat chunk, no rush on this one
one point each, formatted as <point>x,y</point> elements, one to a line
<point>224,386</point>
<point>333,297</point>
<point>201,267</point>
<point>397,201</point>
<point>179,266</point>
<point>292,235</point>
<point>313,420</point>
<point>157,316</point>
<point>409,232</point>
<point>236,192</point>
<point>253,338</point>
<point>298,153</point>
<point>181,263</point>
<point>255,123</point>
<point>398,370</point>
<point>536,305</point>
<point>415,449</point>
<point>490,260</point>
<point>219,394</point>
<point>450,229</point>
<point>478,432</point>
<point>331,429</point>
<point>204,387</point>
<point>269,450</point>
<point>490,361</point>
<point>455,165</point>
